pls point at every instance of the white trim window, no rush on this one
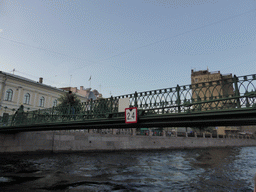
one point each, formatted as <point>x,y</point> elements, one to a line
<point>27,98</point>
<point>41,102</point>
<point>8,95</point>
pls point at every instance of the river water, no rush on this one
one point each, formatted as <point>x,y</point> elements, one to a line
<point>225,169</point>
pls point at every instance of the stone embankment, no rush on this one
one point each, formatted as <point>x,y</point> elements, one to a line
<point>64,141</point>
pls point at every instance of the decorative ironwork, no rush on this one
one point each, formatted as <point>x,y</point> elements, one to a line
<point>228,94</point>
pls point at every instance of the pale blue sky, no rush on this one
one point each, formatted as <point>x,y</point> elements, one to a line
<point>126,45</point>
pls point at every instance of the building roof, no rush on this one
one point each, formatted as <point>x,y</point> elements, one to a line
<point>85,92</point>
<point>30,81</point>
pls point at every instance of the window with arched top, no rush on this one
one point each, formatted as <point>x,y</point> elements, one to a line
<point>41,102</point>
<point>8,95</point>
<point>55,103</point>
<point>27,98</point>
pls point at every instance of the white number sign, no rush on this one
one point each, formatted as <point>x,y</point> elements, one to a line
<point>131,115</point>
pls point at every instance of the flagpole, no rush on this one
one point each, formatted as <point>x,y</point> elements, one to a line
<point>90,81</point>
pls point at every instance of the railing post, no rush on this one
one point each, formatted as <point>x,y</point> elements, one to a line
<point>136,99</point>
<point>91,107</point>
<point>69,110</point>
<point>178,97</point>
<point>111,104</point>
<point>237,93</point>
<point>52,112</point>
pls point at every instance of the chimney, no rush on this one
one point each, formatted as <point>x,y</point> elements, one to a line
<point>41,80</point>
<point>81,87</point>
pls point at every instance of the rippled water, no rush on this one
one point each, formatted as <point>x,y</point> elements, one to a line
<point>226,169</point>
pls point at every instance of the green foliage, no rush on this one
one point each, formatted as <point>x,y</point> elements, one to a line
<point>64,101</point>
<point>65,108</point>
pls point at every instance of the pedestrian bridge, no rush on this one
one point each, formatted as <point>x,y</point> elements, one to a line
<point>229,102</point>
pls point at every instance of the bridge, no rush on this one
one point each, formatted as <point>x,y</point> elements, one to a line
<point>229,102</point>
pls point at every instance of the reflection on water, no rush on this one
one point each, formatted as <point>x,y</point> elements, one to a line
<point>174,170</point>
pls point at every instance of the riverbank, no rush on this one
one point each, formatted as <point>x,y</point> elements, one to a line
<point>63,141</point>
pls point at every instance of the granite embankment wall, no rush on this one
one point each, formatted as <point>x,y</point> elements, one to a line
<point>53,141</point>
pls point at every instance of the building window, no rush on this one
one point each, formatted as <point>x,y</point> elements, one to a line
<point>55,103</point>
<point>41,102</point>
<point>26,98</point>
<point>9,94</point>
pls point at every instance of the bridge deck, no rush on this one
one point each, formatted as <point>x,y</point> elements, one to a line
<point>203,104</point>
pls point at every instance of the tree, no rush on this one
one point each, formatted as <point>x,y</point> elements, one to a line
<point>66,107</point>
<point>64,100</point>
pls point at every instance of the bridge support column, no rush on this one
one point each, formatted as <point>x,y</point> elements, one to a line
<point>134,132</point>
<point>195,135</point>
<point>164,133</point>
<point>210,135</point>
<point>186,134</point>
<point>203,135</point>
<point>217,135</point>
<point>150,133</point>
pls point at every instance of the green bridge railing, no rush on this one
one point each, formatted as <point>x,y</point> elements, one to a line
<point>227,94</point>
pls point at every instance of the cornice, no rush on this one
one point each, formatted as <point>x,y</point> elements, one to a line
<point>29,82</point>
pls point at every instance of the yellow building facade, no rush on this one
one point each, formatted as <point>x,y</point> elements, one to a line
<point>216,86</point>
<point>16,90</point>
<point>221,86</point>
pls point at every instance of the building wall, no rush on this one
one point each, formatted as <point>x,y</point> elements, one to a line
<point>21,86</point>
<point>219,86</point>
<point>216,86</point>
<point>250,129</point>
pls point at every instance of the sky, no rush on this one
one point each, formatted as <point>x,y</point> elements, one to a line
<point>125,46</point>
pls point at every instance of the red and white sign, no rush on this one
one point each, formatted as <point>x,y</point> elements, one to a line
<point>131,115</point>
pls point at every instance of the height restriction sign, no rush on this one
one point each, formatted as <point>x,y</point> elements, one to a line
<point>131,115</point>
